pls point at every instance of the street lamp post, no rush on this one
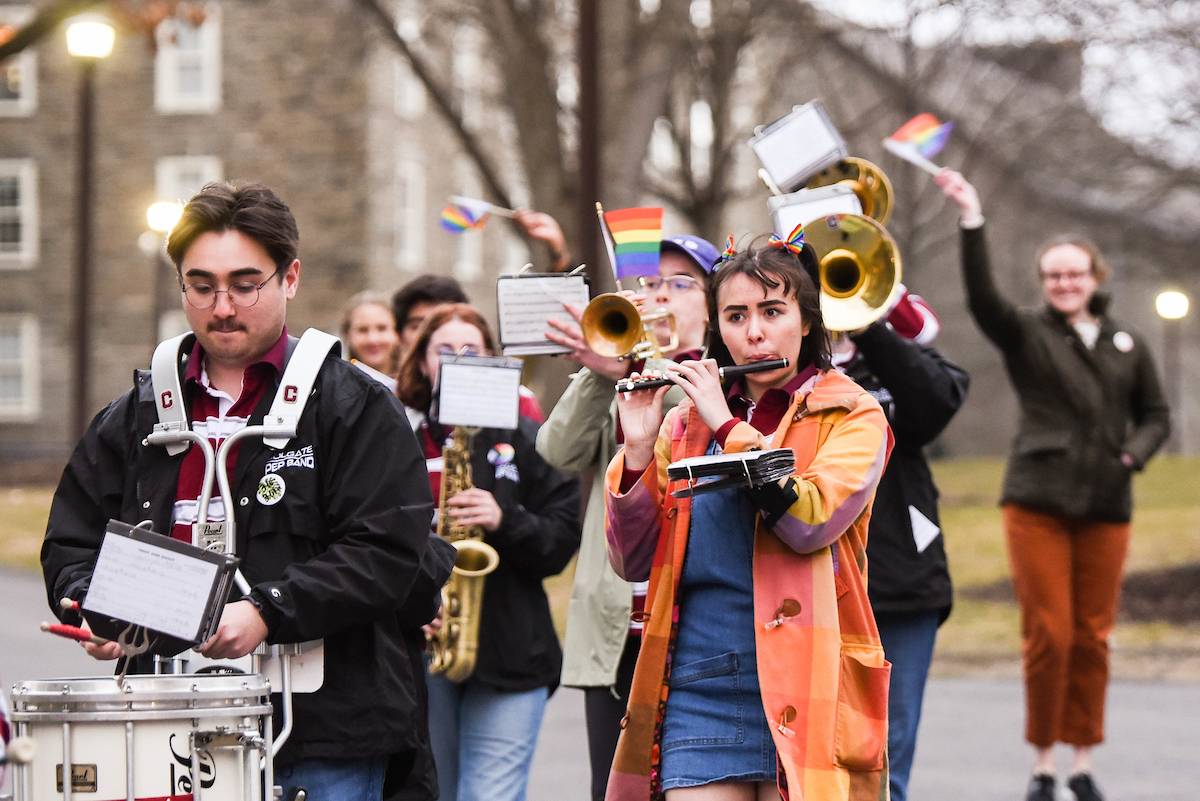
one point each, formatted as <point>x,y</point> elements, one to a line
<point>161,217</point>
<point>89,39</point>
<point>1172,306</point>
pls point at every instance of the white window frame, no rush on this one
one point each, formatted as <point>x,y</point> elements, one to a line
<point>27,175</point>
<point>29,406</point>
<point>168,99</point>
<point>172,322</point>
<point>26,62</point>
<point>409,94</point>
<point>168,184</point>
<point>408,229</point>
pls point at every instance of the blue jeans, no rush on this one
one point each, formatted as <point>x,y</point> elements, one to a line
<point>334,779</point>
<point>908,644</point>
<point>483,739</point>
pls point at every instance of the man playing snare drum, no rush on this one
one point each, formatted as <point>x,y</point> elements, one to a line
<point>330,531</point>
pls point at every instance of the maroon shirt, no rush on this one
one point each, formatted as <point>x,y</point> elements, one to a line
<point>204,410</point>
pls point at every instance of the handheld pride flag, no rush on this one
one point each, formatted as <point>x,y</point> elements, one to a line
<point>919,140</point>
<point>637,238</point>
<point>464,213</point>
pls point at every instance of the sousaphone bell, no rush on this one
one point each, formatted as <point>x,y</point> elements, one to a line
<point>859,270</point>
<point>870,184</point>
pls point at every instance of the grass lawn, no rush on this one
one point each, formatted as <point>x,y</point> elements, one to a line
<point>980,633</point>
<point>1166,532</point>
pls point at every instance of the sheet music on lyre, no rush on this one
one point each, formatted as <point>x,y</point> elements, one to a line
<point>154,581</point>
<point>527,301</point>
<point>478,391</point>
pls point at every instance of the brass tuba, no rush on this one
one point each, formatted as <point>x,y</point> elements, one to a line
<point>613,326</point>
<point>859,269</point>
<point>453,647</point>
<point>870,184</point>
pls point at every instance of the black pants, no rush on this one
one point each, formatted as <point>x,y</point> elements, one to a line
<point>603,708</point>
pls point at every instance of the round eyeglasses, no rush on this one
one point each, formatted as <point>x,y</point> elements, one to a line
<point>243,294</point>
<point>674,283</point>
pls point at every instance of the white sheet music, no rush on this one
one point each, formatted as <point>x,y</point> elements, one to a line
<point>150,586</point>
<point>527,302</point>
<point>472,392</point>
<point>800,146</point>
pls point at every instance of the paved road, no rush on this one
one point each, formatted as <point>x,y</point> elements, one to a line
<point>970,748</point>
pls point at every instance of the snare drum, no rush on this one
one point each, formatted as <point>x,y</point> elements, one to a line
<point>167,738</point>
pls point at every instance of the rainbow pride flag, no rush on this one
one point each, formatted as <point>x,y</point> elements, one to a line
<point>925,133</point>
<point>462,214</point>
<point>637,238</point>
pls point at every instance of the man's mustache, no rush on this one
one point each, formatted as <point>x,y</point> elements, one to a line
<point>226,326</point>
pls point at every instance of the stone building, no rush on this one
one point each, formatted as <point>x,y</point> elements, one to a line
<point>302,95</point>
<point>308,97</point>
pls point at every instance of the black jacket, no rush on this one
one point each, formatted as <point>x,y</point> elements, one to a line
<point>919,390</point>
<point>538,535</point>
<point>335,558</point>
<point>1080,408</point>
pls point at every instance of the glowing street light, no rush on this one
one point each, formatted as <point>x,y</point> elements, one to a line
<point>1171,304</point>
<point>162,215</point>
<point>90,37</point>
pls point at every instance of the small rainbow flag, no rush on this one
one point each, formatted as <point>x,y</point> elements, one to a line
<point>637,238</point>
<point>919,140</point>
<point>462,214</point>
<point>925,133</point>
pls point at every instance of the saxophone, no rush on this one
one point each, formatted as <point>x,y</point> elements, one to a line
<point>452,649</point>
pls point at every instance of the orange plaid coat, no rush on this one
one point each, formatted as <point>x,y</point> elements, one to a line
<point>821,669</point>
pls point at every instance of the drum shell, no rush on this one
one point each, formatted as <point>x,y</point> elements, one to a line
<point>147,728</point>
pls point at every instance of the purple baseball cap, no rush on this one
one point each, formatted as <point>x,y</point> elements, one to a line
<point>700,251</point>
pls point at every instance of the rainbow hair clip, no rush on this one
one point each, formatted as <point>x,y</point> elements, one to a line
<point>794,242</point>
<point>727,254</point>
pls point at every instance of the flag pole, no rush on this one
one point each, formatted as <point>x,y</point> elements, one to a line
<point>608,242</point>
<point>909,153</point>
<point>499,211</point>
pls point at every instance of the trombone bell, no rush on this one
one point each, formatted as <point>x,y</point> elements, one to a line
<point>859,269</point>
<point>612,326</point>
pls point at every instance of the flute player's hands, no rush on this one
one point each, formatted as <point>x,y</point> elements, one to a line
<point>641,416</point>
<point>702,383</point>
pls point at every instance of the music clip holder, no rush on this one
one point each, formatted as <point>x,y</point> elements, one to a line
<point>745,469</point>
<point>155,591</point>
<point>527,300</point>
<point>796,147</point>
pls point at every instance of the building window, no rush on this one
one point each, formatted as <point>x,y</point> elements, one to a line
<point>172,323</point>
<point>409,224</point>
<point>468,72</point>
<point>468,254</point>
<point>187,66</point>
<point>19,378</point>
<point>410,93</point>
<point>180,177</point>
<point>18,75</point>
<point>18,213</point>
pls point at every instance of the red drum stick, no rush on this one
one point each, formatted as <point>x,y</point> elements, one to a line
<point>73,633</point>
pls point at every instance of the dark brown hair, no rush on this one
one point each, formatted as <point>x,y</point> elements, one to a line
<point>1100,266</point>
<point>252,210</point>
<point>772,267</point>
<point>413,387</point>
<point>427,288</point>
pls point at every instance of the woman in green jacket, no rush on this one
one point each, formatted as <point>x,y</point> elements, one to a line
<point>1092,413</point>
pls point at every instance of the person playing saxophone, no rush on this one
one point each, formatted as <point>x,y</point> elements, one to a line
<point>483,727</point>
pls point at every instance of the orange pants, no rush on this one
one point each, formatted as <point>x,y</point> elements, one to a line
<point>1067,575</point>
